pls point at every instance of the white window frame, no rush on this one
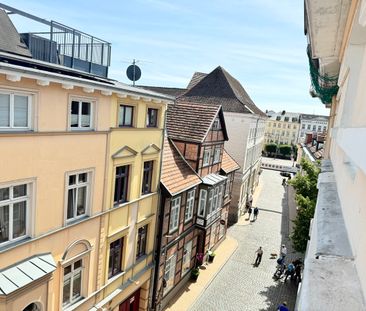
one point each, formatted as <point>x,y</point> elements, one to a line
<point>210,205</point>
<point>221,189</point>
<point>88,185</point>
<point>217,154</point>
<point>189,205</point>
<point>174,214</point>
<point>92,108</point>
<point>206,157</point>
<point>70,276</point>
<point>11,126</point>
<point>187,256</point>
<point>202,202</point>
<point>215,200</point>
<point>29,211</point>
<point>169,273</point>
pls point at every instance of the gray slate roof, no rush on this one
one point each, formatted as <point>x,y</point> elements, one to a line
<point>304,116</point>
<point>213,179</point>
<point>171,91</point>
<point>24,273</point>
<point>220,88</point>
<point>9,37</point>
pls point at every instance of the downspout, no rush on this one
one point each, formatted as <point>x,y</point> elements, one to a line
<point>158,228</point>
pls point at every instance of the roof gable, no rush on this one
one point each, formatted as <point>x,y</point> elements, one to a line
<point>150,149</point>
<point>124,152</point>
<point>219,87</point>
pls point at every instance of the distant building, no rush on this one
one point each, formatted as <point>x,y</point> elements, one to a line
<point>282,128</point>
<point>310,123</point>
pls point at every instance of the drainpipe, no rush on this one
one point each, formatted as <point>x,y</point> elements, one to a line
<point>158,229</point>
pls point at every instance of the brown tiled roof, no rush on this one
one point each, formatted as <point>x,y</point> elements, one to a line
<point>317,154</point>
<point>228,164</point>
<point>220,88</point>
<point>171,91</point>
<point>192,121</point>
<point>197,77</point>
<point>176,174</point>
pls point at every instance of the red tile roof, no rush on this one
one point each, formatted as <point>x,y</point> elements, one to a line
<point>228,164</point>
<point>192,121</point>
<point>176,174</point>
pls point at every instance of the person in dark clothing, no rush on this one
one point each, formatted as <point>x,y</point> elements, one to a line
<point>298,271</point>
<point>255,213</point>
<point>259,253</point>
<point>249,212</point>
<point>283,307</point>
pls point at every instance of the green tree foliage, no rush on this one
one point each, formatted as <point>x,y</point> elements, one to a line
<point>285,150</point>
<point>270,148</point>
<point>305,185</point>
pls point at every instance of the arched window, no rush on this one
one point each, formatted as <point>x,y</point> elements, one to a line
<point>33,307</point>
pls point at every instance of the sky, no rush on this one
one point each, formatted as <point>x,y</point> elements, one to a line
<point>261,43</point>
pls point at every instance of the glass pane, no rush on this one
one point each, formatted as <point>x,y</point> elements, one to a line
<point>76,288</point>
<point>66,292</point>
<point>20,111</point>
<point>4,110</point>
<point>4,223</point>
<point>4,194</point>
<point>85,115</point>
<point>72,180</point>
<point>83,177</point>
<point>71,203</point>
<point>120,115</point>
<point>19,219</point>
<point>19,191</point>
<point>67,270</point>
<point>74,114</point>
<point>128,116</point>
<point>77,264</point>
<point>81,204</point>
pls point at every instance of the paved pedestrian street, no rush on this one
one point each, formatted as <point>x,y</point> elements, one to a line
<point>241,286</point>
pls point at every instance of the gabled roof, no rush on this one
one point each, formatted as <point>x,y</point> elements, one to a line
<point>176,174</point>
<point>9,37</point>
<point>192,121</point>
<point>197,77</point>
<point>220,88</point>
<point>228,164</point>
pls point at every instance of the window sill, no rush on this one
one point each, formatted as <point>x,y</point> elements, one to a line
<point>117,205</point>
<point>81,130</point>
<point>74,221</point>
<point>115,277</point>
<point>140,258</point>
<point>12,244</point>
<point>75,305</point>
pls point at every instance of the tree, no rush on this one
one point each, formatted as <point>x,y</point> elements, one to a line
<point>285,150</point>
<point>270,148</point>
<point>305,185</point>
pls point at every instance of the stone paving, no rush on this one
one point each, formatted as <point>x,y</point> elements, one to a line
<point>241,286</point>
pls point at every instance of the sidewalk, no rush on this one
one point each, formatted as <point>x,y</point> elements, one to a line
<point>191,291</point>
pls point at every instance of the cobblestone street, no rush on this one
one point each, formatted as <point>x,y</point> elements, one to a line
<point>240,285</point>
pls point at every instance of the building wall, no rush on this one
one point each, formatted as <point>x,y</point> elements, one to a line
<point>282,132</point>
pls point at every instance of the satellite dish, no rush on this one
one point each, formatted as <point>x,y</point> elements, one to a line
<point>133,72</point>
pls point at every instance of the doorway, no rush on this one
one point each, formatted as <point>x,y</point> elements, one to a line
<point>131,303</point>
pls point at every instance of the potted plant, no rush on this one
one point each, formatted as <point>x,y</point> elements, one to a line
<point>211,256</point>
<point>195,273</point>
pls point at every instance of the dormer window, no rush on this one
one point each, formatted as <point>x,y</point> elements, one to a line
<point>206,157</point>
<point>216,125</point>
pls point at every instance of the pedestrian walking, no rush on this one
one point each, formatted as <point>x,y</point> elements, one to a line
<point>298,272</point>
<point>259,253</point>
<point>255,213</point>
<point>249,212</point>
<point>283,307</point>
<point>283,251</point>
<point>290,271</point>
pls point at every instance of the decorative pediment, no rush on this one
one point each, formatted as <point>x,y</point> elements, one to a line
<point>151,149</point>
<point>124,152</point>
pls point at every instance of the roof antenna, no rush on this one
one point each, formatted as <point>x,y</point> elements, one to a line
<point>133,72</point>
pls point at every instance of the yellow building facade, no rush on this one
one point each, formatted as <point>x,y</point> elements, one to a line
<point>75,234</point>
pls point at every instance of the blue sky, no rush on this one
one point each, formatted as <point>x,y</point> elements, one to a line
<point>261,43</point>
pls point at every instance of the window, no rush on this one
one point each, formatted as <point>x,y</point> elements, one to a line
<point>81,115</point>
<point>190,205</point>
<point>115,257</point>
<point>169,273</point>
<point>324,128</point>
<point>288,126</point>
<point>216,124</point>
<point>303,126</point>
<point>202,204</point>
<point>174,214</point>
<point>152,117</point>
<point>278,118</point>
<point>314,127</point>
<point>286,119</point>
<point>125,116</point>
<point>187,254</point>
<point>141,242</point>
<point>215,199</point>
<point>294,119</point>
<point>209,205</point>
<point>220,196</point>
<point>14,211</point>
<point>121,184</point>
<point>72,283</point>
<point>319,128</point>
<point>295,126</point>
<point>15,111</point>
<point>78,195</point>
<point>217,154</point>
<point>206,157</point>
<point>147,177</point>
<point>274,124</point>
